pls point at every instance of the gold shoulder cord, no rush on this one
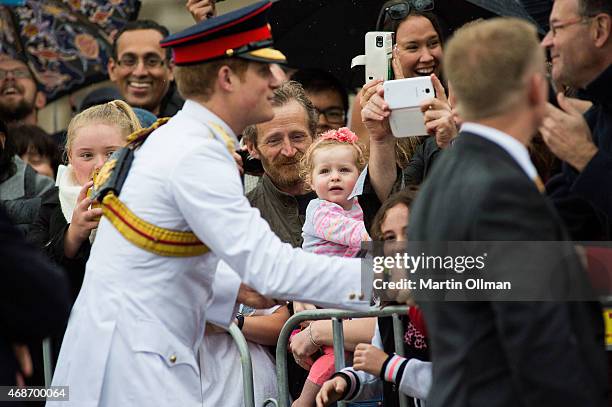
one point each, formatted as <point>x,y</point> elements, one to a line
<point>154,239</point>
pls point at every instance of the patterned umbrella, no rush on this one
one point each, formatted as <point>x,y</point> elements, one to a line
<point>66,43</point>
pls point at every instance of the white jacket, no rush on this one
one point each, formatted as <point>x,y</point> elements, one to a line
<point>136,326</point>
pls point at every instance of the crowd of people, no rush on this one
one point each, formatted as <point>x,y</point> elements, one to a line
<point>253,202</point>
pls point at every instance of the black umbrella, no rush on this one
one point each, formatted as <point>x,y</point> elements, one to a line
<point>324,34</point>
<point>525,9</point>
<point>66,43</point>
<point>327,34</point>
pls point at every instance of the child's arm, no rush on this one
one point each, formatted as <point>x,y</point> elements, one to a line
<point>332,224</point>
<point>370,359</point>
<point>412,375</point>
<point>349,385</point>
<point>332,391</point>
<point>416,380</point>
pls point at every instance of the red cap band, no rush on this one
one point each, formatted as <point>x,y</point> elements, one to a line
<point>204,51</point>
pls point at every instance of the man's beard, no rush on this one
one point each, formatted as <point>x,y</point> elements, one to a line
<point>283,171</point>
<point>15,112</point>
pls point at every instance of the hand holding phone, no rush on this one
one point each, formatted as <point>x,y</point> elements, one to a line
<point>404,97</point>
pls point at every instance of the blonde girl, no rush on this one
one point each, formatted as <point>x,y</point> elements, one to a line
<point>67,220</point>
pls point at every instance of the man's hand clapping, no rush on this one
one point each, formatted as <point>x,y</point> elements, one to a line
<point>567,134</point>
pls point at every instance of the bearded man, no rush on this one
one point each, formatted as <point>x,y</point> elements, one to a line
<point>20,99</point>
<point>280,143</point>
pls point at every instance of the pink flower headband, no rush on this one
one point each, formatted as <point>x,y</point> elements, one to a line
<point>343,135</point>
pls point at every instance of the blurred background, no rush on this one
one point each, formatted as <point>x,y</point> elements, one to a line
<point>171,13</point>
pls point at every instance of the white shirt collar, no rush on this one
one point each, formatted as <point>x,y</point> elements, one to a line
<point>200,113</point>
<point>514,147</point>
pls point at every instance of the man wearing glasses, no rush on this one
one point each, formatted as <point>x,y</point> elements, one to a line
<point>142,70</point>
<point>580,47</point>
<point>328,96</point>
<point>20,98</point>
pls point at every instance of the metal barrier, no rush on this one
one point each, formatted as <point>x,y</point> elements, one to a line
<point>336,316</point>
<point>234,331</point>
<point>47,349</point>
<point>247,365</point>
<point>281,348</point>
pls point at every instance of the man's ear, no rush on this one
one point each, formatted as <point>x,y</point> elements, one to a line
<point>601,31</point>
<point>40,101</point>
<point>252,150</point>
<point>226,79</point>
<point>110,67</point>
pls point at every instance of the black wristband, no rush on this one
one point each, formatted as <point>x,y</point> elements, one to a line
<point>381,374</point>
<point>240,319</point>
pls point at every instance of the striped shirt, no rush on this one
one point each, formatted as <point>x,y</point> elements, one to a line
<point>333,231</point>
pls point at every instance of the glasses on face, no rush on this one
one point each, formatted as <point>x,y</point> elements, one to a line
<point>559,26</point>
<point>18,73</point>
<point>130,61</point>
<point>333,115</point>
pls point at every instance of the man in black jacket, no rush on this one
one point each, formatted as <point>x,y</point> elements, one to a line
<point>494,353</point>
<point>580,45</point>
<point>34,300</point>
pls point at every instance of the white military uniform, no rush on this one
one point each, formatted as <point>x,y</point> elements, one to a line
<point>136,326</point>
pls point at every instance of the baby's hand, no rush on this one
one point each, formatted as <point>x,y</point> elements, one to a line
<point>369,358</point>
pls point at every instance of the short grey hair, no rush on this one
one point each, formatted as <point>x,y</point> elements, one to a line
<point>590,8</point>
<point>288,91</point>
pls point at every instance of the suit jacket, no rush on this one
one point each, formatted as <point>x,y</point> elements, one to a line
<point>492,353</point>
<point>584,199</point>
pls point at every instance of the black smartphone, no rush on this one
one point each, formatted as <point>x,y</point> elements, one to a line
<point>251,166</point>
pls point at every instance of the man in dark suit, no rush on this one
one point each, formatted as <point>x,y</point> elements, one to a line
<point>493,353</point>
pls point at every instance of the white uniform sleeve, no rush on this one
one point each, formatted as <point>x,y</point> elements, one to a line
<point>225,291</point>
<point>220,215</point>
